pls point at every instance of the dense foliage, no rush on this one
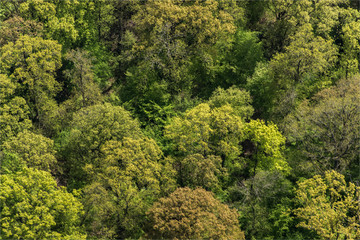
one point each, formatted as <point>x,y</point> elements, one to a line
<point>179,119</point>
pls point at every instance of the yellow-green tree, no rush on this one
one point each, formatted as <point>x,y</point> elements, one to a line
<point>72,23</point>
<point>222,131</point>
<point>239,99</point>
<point>120,170</point>
<point>298,70</point>
<point>329,206</point>
<point>92,127</point>
<point>35,150</point>
<point>131,175</point>
<point>31,63</point>
<point>14,112</point>
<point>350,37</point>
<point>33,207</point>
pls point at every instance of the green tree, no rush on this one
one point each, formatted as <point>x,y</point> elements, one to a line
<point>82,79</point>
<point>9,9</point>
<point>192,214</point>
<point>260,199</point>
<point>329,206</point>
<point>170,49</point>
<point>72,23</point>
<point>350,38</point>
<point>279,20</point>
<point>10,163</point>
<point>306,54</point>
<point>273,22</point>
<point>236,58</point>
<point>262,90</point>
<point>313,47</point>
<point>56,27</point>
<point>35,150</point>
<point>33,207</point>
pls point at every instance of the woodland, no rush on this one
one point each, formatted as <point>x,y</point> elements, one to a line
<point>179,119</point>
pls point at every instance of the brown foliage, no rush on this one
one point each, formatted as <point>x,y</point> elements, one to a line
<point>15,27</point>
<point>193,214</point>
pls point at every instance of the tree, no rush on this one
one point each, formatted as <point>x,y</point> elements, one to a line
<point>9,9</point>
<point>35,150</point>
<point>31,64</point>
<point>14,112</point>
<point>306,54</point>
<point>169,50</point>
<point>32,206</point>
<point>10,163</point>
<point>72,23</point>
<point>299,71</point>
<point>281,19</point>
<point>92,127</point>
<point>237,58</point>
<point>198,171</point>
<point>81,88</point>
<point>219,131</point>
<point>265,148</point>
<point>325,131</point>
<point>130,176</point>
<point>244,147</point>
<point>192,214</point>
<point>317,46</point>
<point>16,26</point>
<point>239,99</point>
<point>56,27</point>
<point>258,199</point>
<point>350,38</point>
<point>262,90</point>
<point>82,78</point>
<point>273,24</point>
<point>214,127</point>
<point>207,131</point>
<point>329,206</point>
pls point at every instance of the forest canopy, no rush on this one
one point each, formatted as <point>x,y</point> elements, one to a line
<point>179,119</point>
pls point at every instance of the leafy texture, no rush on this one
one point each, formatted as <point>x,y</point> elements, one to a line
<point>35,150</point>
<point>329,206</point>
<point>192,214</point>
<point>14,112</point>
<point>31,64</point>
<point>92,127</point>
<point>33,207</point>
<point>130,177</point>
<point>326,129</point>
